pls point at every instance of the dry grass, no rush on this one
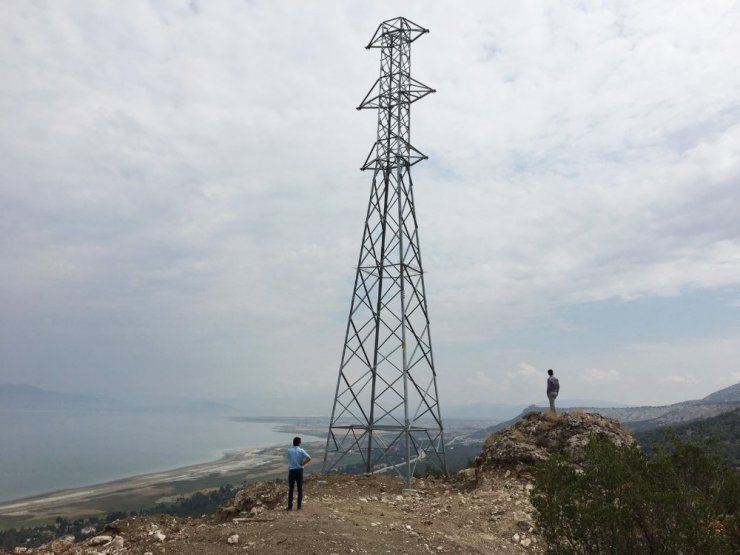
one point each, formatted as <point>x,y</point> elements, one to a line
<point>552,416</point>
<point>517,435</point>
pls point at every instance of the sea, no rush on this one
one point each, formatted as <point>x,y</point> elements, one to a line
<point>47,450</point>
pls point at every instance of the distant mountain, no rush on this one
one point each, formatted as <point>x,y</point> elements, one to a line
<point>651,417</point>
<point>727,395</point>
<point>496,411</point>
<point>590,403</point>
<point>645,418</point>
<point>28,397</point>
<point>714,404</point>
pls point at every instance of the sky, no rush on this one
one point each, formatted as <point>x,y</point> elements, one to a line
<point>181,205</point>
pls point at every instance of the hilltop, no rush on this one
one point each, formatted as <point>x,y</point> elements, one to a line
<point>729,394</point>
<point>485,509</point>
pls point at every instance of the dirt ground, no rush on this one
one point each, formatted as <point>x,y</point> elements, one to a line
<point>341,514</point>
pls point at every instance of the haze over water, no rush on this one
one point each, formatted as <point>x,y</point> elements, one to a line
<point>47,450</point>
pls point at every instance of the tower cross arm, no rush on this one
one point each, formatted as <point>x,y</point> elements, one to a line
<point>396,25</point>
<point>411,157</point>
<point>374,99</point>
<point>418,90</point>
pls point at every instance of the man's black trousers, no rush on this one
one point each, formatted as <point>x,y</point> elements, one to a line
<point>295,477</point>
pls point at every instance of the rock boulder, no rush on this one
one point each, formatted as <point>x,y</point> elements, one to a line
<point>538,435</point>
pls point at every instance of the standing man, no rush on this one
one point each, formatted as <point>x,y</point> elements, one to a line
<point>553,388</point>
<point>297,459</point>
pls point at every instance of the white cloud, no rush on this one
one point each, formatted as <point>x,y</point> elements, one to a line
<point>523,372</point>
<point>663,372</point>
<point>179,187</point>
<point>597,375</point>
<point>481,378</point>
<point>680,379</point>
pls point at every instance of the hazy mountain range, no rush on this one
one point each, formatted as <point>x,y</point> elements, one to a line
<point>498,411</point>
<point>27,397</point>
<point>21,396</point>
<point>647,417</point>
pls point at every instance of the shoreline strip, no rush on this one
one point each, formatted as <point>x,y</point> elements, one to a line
<point>232,462</point>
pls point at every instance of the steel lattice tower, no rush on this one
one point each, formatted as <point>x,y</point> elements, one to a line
<point>386,408</point>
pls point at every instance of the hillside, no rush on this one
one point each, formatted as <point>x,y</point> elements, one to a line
<point>724,429</point>
<point>481,510</point>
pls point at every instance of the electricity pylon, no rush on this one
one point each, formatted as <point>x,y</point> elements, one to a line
<point>386,414</point>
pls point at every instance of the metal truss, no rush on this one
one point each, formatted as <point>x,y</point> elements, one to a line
<point>386,414</point>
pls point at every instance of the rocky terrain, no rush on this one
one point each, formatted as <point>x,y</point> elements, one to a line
<point>480,510</point>
<point>538,435</point>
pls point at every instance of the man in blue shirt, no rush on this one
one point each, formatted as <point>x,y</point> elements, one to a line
<point>297,459</point>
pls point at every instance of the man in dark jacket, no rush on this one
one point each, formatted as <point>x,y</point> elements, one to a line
<point>553,388</point>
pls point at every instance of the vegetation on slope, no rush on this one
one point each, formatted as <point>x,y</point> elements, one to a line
<point>722,431</point>
<point>683,499</point>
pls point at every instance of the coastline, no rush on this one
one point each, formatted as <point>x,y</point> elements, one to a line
<point>135,492</point>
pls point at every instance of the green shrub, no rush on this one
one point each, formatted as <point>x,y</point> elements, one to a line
<point>682,500</point>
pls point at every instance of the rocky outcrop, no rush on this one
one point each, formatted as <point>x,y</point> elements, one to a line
<point>539,435</point>
<point>253,500</point>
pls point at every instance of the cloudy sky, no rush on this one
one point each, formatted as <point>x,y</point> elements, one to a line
<point>181,205</point>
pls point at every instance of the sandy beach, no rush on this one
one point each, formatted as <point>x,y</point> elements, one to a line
<point>125,494</point>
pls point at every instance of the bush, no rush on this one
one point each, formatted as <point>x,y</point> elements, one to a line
<point>682,500</point>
